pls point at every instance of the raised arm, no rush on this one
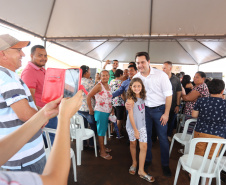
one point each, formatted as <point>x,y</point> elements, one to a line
<point>58,164</point>
<point>193,95</point>
<point>13,142</point>
<point>106,63</point>
<point>119,91</point>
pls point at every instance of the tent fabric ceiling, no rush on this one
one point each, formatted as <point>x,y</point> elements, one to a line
<point>182,31</point>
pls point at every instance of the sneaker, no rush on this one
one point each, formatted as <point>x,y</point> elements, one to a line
<point>166,171</point>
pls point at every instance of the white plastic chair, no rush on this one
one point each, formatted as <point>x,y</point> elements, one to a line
<point>180,121</point>
<point>200,166</point>
<point>47,150</point>
<point>109,134</point>
<point>109,131</point>
<point>183,138</point>
<point>81,133</point>
<point>222,163</point>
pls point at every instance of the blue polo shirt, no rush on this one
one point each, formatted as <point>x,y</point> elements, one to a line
<point>124,87</point>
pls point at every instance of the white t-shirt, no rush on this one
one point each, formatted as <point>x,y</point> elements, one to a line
<point>19,178</point>
<point>157,86</point>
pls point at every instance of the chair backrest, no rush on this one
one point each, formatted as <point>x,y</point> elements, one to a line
<point>209,164</point>
<point>77,125</point>
<point>180,121</point>
<point>73,127</point>
<point>186,124</point>
<point>47,131</point>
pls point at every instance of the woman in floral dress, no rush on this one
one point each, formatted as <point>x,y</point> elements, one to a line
<point>117,102</point>
<point>102,110</point>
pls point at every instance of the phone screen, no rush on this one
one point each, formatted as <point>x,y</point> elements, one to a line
<point>71,85</point>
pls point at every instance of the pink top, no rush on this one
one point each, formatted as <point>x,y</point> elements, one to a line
<point>103,100</point>
<point>33,77</point>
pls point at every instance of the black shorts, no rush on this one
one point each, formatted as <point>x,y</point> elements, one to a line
<point>119,112</point>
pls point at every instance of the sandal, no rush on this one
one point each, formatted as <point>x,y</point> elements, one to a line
<point>132,170</point>
<point>107,157</point>
<point>107,150</point>
<point>148,178</point>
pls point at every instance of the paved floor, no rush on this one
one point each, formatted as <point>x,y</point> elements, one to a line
<point>97,171</point>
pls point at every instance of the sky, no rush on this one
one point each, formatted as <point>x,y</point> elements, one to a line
<point>76,59</point>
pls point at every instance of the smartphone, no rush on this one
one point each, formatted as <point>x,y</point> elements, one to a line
<point>60,82</point>
<point>72,82</point>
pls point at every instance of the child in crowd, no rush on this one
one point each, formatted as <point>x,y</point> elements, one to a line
<point>136,126</point>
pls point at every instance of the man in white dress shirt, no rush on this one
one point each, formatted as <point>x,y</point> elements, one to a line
<point>157,107</point>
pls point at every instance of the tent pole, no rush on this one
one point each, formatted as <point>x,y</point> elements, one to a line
<point>198,67</point>
<point>44,39</point>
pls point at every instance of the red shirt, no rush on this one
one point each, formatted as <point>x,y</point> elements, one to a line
<point>33,77</point>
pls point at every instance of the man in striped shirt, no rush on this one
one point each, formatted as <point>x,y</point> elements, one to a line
<point>17,106</point>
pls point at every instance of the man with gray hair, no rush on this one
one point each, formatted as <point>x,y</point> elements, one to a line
<point>17,106</point>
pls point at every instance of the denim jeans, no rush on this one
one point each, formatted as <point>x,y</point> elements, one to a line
<point>37,167</point>
<point>171,123</point>
<point>52,124</point>
<point>152,117</point>
<point>89,119</point>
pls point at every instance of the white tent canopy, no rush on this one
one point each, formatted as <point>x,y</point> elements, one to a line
<point>182,31</point>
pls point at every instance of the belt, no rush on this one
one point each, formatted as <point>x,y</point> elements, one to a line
<point>155,107</point>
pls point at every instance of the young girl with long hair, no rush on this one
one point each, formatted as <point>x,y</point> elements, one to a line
<point>136,127</point>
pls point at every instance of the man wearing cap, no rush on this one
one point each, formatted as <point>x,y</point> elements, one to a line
<point>33,76</point>
<point>17,106</point>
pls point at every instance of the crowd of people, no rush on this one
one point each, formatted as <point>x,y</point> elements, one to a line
<point>144,99</point>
